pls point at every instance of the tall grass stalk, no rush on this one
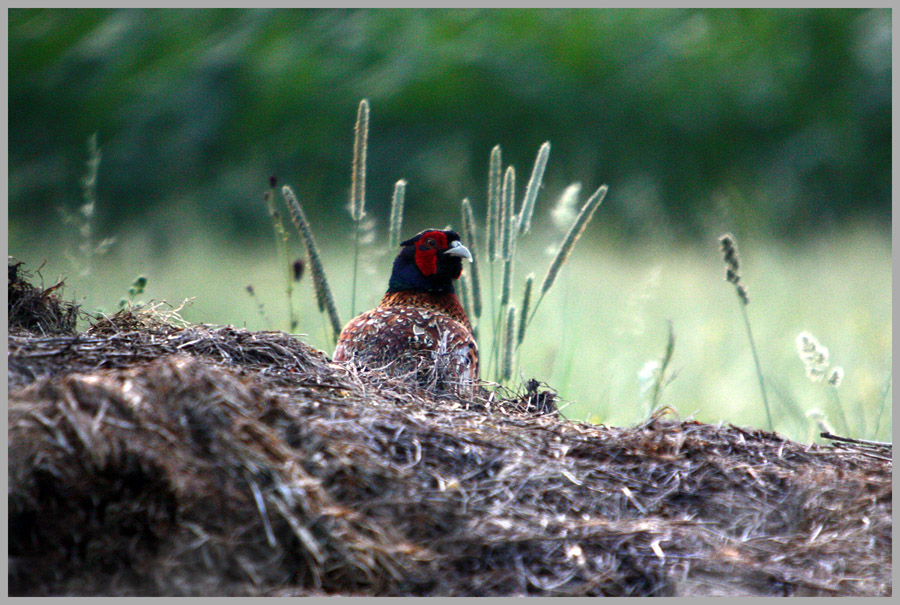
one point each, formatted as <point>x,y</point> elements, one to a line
<point>282,251</point>
<point>504,227</point>
<point>320,284</point>
<point>531,190</point>
<point>506,284</point>
<point>506,288</point>
<point>508,232</point>
<point>732,275</point>
<point>506,247</point>
<point>835,376</point>
<point>83,220</point>
<point>495,187</point>
<point>507,213</point>
<point>759,374</point>
<point>89,195</point>
<point>495,193</point>
<point>468,223</point>
<point>260,307</point>
<point>816,359</point>
<point>526,304</point>
<point>884,403</point>
<point>358,187</point>
<point>509,345</point>
<point>465,293</point>
<point>397,201</point>
<point>662,379</point>
<point>572,237</point>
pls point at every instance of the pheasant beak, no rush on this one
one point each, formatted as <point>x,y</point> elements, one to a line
<point>457,249</point>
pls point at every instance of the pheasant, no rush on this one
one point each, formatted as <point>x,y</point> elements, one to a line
<point>419,330</point>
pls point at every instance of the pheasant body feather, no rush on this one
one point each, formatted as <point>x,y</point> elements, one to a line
<point>419,330</point>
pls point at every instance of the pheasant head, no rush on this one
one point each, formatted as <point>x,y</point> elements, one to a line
<point>429,262</point>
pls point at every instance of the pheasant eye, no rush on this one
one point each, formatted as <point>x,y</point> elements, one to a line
<point>430,242</point>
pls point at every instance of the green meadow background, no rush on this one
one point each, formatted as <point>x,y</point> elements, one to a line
<point>773,125</point>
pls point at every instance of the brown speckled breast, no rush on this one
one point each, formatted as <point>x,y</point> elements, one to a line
<point>419,336</point>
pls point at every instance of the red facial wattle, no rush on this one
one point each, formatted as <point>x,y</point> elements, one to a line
<point>427,248</point>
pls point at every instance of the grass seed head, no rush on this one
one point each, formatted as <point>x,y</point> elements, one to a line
<point>531,190</point>
<point>324,297</point>
<point>508,343</point>
<point>396,222</point>
<point>495,186</point>
<point>813,355</point>
<point>360,147</point>
<point>507,213</point>
<point>506,283</point>
<point>732,266</point>
<point>526,307</point>
<point>836,376</point>
<point>577,228</point>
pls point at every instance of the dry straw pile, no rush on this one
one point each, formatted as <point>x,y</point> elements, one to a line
<point>151,458</point>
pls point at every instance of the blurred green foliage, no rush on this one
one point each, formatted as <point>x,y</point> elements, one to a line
<point>773,120</point>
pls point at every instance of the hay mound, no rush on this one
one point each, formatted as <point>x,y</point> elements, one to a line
<point>147,459</point>
<point>31,309</point>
